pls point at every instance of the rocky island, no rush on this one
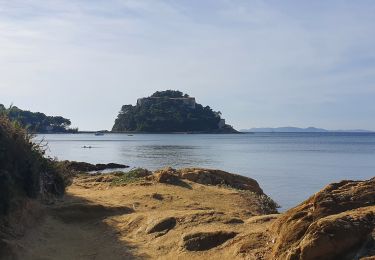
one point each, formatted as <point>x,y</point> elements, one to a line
<point>170,111</point>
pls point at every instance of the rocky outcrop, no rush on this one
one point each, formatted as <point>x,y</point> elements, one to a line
<point>208,177</point>
<point>88,167</point>
<point>335,223</point>
<point>168,176</point>
<point>218,177</point>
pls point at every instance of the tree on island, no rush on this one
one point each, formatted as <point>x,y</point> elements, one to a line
<point>168,111</point>
<point>170,94</point>
<point>37,122</point>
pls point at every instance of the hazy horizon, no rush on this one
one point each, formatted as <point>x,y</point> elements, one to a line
<point>261,63</point>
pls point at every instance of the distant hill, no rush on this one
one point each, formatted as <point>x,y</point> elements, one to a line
<point>37,122</point>
<point>170,111</point>
<point>299,130</point>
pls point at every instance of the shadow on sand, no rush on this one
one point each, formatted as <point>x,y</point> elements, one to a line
<point>74,228</point>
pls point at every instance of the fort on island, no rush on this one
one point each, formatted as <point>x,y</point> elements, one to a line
<point>170,111</point>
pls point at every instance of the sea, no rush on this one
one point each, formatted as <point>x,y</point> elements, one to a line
<point>290,167</point>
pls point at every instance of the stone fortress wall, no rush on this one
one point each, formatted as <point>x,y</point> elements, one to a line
<point>188,101</point>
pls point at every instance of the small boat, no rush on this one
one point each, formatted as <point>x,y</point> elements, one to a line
<point>99,133</point>
<point>130,135</point>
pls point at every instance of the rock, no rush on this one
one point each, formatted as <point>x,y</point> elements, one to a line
<point>88,167</point>
<point>157,196</point>
<point>165,224</point>
<point>207,177</point>
<point>335,223</point>
<point>167,175</point>
<point>108,166</point>
<point>202,241</point>
<point>218,177</point>
<point>335,236</point>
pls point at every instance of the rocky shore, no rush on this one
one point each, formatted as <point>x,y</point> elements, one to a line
<point>89,167</point>
<point>194,214</point>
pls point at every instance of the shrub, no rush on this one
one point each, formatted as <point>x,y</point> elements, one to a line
<point>24,172</point>
<point>131,176</point>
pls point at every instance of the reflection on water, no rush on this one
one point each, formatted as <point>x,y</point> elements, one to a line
<point>160,151</point>
<point>159,156</point>
<point>289,167</point>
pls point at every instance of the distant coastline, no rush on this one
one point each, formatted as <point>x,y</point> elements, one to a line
<point>300,130</point>
<point>243,131</point>
<point>138,132</point>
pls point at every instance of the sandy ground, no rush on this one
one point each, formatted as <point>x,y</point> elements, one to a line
<point>98,221</point>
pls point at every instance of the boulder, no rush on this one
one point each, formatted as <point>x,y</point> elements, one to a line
<point>109,166</point>
<point>207,177</point>
<point>167,175</point>
<point>88,167</point>
<point>218,177</point>
<point>336,237</point>
<point>335,223</point>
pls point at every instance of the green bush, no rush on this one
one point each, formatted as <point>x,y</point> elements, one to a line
<point>24,172</point>
<point>131,176</point>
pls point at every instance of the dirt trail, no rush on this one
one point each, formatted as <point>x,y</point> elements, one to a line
<point>57,240</point>
<point>63,235</point>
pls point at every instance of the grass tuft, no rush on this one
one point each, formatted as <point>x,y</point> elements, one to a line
<point>134,175</point>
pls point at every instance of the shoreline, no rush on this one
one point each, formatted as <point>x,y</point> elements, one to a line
<point>162,133</point>
<point>213,133</point>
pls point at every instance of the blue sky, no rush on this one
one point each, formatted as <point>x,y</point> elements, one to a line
<point>262,63</point>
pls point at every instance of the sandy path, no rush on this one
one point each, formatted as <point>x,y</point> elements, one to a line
<point>62,236</point>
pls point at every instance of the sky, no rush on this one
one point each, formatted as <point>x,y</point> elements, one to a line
<point>261,63</point>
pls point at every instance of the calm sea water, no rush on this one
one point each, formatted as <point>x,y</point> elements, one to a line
<point>289,166</point>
